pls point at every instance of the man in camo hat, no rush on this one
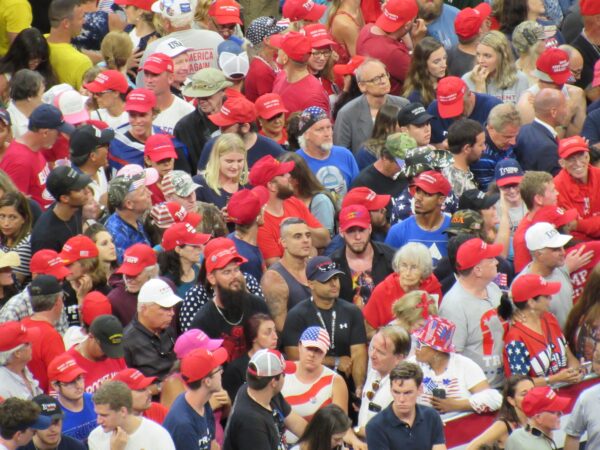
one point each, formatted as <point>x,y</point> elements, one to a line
<point>208,86</point>
<point>178,186</point>
<point>465,221</point>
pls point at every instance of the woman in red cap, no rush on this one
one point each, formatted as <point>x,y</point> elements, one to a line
<point>535,345</point>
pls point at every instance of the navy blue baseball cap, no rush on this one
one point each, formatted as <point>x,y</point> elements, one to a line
<point>50,117</point>
<point>321,269</point>
<point>508,171</point>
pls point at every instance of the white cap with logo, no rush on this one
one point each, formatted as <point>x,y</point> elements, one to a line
<point>544,235</point>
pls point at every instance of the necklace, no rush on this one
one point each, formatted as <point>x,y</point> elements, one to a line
<point>320,317</point>
<point>233,324</point>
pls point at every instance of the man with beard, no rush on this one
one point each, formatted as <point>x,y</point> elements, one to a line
<point>207,85</point>
<point>377,204</point>
<point>428,224</point>
<point>63,220</point>
<point>466,142</point>
<point>275,176</point>
<point>224,317</point>
<point>284,283</point>
<point>149,339</point>
<point>238,115</point>
<point>439,19</point>
<point>364,263</point>
<point>335,167</point>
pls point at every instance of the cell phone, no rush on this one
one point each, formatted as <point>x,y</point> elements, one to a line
<point>439,393</point>
<point>586,367</point>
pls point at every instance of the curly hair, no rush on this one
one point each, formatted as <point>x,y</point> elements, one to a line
<point>505,74</point>
<point>418,77</point>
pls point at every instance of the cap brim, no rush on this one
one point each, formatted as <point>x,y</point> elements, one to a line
<point>492,251</point>
<point>168,302</point>
<point>220,120</point>
<point>94,87</point>
<point>453,109</point>
<point>323,42</point>
<point>285,167</point>
<point>381,201</point>
<point>66,128</point>
<point>213,344</point>
<point>59,272</point>
<point>112,350</point>
<point>151,176</point>
<point>138,108</point>
<point>41,423</point>
<point>131,270</point>
<point>81,182</point>
<point>193,219</point>
<point>355,223</point>
<point>509,180</point>
<point>227,20</point>
<point>72,374</point>
<point>490,200</point>
<point>422,119</point>
<point>560,240</point>
<point>542,76</point>
<point>160,156</point>
<point>551,288</point>
<point>324,277</point>
<point>558,404</point>
<point>198,239</point>
<point>313,344</point>
<point>572,151</point>
<point>485,10</point>
<point>316,12</point>
<point>273,113</point>
<point>388,25</point>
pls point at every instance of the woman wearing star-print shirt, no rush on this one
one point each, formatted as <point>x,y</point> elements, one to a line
<point>535,344</point>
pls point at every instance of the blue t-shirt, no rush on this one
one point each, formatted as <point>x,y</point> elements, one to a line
<point>263,146</point>
<point>336,172</point>
<point>408,231</point>
<point>190,430</point>
<point>255,265</point>
<point>124,235</point>
<point>80,424</point>
<point>439,127</point>
<point>591,127</point>
<point>442,28</point>
<point>484,170</point>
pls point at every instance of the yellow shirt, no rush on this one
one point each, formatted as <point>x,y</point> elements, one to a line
<point>68,63</point>
<point>15,16</point>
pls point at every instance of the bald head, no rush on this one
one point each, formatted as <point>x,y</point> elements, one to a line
<point>547,103</point>
<point>575,60</point>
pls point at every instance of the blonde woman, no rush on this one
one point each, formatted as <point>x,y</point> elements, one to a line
<point>495,72</point>
<point>117,50</point>
<point>528,41</point>
<point>412,310</point>
<point>226,171</point>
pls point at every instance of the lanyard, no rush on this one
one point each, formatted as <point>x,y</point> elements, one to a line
<point>320,317</point>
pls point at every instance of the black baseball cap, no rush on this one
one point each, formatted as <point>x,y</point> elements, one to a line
<point>108,331</point>
<point>49,406</point>
<point>64,179</point>
<point>45,285</point>
<point>50,117</point>
<point>88,138</point>
<point>477,200</point>
<point>321,269</point>
<point>413,114</point>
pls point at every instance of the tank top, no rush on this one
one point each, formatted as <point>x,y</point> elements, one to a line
<point>297,291</point>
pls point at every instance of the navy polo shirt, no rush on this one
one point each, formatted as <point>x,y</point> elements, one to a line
<point>386,431</point>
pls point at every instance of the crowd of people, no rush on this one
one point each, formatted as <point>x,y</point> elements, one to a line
<point>304,224</point>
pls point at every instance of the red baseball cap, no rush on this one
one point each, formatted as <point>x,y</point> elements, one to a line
<point>303,10</point>
<point>76,248</point>
<point>450,96</point>
<point>146,5</point>
<point>350,67</point>
<point>589,7</point>
<point>236,109</point>
<point>109,80</point>
<point>13,334</point>
<point>431,182</point>
<point>94,304</point>
<point>555,215</point>
<point>158,63</point>
<point>64,368</point>
<point>267,168</point>
<point>468,21</point>
<point>136,258</point>
<point>140,100</point>
<point>219,252</point>
<point>183,234</point>
<point>366,197</point>
<point>269,105</point>
<point>244,206</point>
<point>134,379</point>
<point>166,214</point>
<point>159,147</point>
<point>396,13</point>
<point>571,145</point>
<point>473,251</point>
<point>48,262</point>
<point>198,363</point>
<point>225,12</point>
<point>354,216</point>
<point>318,34</point>
<point>296,45</point>
<point>552,66</point>
<point>543,399</point>
<point>530,286</point>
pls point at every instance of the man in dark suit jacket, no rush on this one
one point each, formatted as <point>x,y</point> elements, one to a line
<point>537,143</point>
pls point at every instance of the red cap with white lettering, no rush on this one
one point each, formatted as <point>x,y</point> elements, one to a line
<point>136,258</point>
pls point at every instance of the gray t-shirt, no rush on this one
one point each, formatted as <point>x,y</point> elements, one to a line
<point>510,94</point>
<point>479,332</point>
<point>561,303</point>
<point>585,417</point>
<point>523,440</point>
<point>459,62</point>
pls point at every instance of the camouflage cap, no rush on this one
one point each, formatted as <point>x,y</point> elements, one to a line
<point>397,145</point>
<point>465,221</point>
<point>421,159</point>
<point>120,186</point>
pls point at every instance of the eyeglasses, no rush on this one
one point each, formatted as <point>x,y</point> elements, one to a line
<point>215,372</point>
<point>321,53</point>
<point>403,267</point>
<point>374,388</point>
<point>379,79</point>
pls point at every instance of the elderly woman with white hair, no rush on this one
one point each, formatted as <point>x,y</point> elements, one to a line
<point>413,270</point>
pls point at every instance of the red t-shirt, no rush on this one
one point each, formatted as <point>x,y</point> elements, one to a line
<point>522,255</point>
<point>46,345</point>
<point>157,194</point>
<point>378,310</point>
<point>259,80</point>
<point>157,412</point>
<point>268,233</point>
<point>28,170</point>
<point>389,51</point>
<point>60,150</point>
<point>580,276</point>
<point>300,95</point>
<point>97,371</point>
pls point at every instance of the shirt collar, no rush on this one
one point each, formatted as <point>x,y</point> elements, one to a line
<point>546,126</point>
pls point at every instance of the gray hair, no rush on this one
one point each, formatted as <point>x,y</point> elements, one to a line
<point>44,302</point>
<point>289,222</point>
<point>7,355</point>
<point>414,253</point>
<point>360,69</point>
<point>502,115</point>
<point>302,141</point>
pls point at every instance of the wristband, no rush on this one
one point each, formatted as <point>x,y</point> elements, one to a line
<point>336,363</point>
<point>547,380</point>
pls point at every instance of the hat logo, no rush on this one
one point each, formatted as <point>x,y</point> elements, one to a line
<point>418,110</point>
<point>389,15</point>
<point>551,233</point>
<point>225,111</point>
<point>84,253</point>
<point>448,98</point>
<point>427,178</point>
<point>508,170</point>
<point>480,195</point>
<point>560,67</point>
<point>131,259</point>
<point>115,338</point>
<point>309,5</point>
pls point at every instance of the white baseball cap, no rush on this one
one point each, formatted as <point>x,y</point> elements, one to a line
<point>172,47</point>
<point>174,8</point>
<point>544,235</point>
<point>158,291</point>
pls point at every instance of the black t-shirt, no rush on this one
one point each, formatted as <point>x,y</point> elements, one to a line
<point>50,232</point>
<point>66,443</point>
<point>234,375</point>
<point>349,325</point>
<point>194,130</point>
<point>251,426</point>
<point>375,180</point>
<point>217,325</point>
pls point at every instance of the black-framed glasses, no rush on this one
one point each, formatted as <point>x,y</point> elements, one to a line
<point>321,53</point>
<point>378,79</point>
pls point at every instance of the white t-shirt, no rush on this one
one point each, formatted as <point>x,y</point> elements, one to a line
<point>19,121</point>
<point>168,118</point>
<point>112,121</point>
<point>148,436</point>
<point>382,398</point>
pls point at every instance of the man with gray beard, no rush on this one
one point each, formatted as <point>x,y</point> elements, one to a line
<point>225,316</point>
